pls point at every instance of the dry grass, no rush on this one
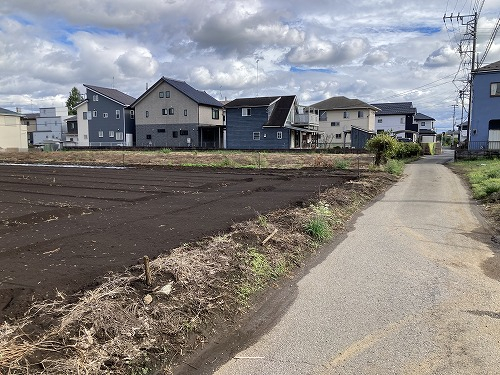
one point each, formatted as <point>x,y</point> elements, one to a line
<point>219,158</point>
<point>114,328</point>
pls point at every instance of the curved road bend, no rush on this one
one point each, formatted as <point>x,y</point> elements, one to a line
<point>404,293</point>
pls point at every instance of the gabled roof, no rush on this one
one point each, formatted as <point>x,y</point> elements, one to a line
<point>112,94</point>
<point>403,108</point>
<point>281,110</point>
<point>262,101</point>
<point>71,118</point>
<point>6,112</point>
<point>494,67</point>
<point>422,117</point>
<point>200,97</point>
<point>81,103</point>
<point>341,102</point>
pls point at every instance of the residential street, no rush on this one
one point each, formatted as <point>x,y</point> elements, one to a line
<point>403,293</point>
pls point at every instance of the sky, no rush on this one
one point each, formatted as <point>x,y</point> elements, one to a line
<point>377,51</point>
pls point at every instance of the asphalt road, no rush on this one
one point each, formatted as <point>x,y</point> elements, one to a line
<point>403,293</point>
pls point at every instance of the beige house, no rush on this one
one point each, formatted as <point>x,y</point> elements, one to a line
<point>13,134</point>
<point>174,114</point>
<point>337,117</point>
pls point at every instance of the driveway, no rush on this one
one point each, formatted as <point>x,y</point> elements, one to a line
<point>403,293</point>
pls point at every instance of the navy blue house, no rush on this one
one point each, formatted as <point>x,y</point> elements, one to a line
<point>270,123</point>
<point>110,118</point>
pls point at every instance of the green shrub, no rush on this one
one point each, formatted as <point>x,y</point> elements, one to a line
<point>384,147</point>
<point>406,150</point>
<point>341,164</point>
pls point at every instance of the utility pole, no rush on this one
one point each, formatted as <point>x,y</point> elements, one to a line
<point>464,48</point>
<point>454,124</point>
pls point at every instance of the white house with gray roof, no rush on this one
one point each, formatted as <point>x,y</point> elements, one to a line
<point>339,115</point>
<point>396,117</point>
<point>171,113</point>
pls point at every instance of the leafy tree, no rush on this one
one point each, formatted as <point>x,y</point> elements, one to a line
<point>74,98</point>
<point>384,146</point>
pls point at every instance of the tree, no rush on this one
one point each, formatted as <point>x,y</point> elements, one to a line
<point>74,98</point>
<point>384,147</point>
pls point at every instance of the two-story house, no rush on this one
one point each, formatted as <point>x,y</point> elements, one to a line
<point>50,126</point>
<point>110,118</point>
<point>339,115</point>
<point>397,118</point>
<point>172,113</point>
<point>269,123</point>
<point>484,130</point>
<point>13,134</point>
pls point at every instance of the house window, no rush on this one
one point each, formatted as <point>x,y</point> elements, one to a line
<point>175,134</point>
<point>104,115</point>
<point>246,112</point>
<point>402,120</point>
<point>256,136</point>
<point>170,111</point>
<point>161,131</point>
<point>101,134</point>
<point>119,136</point>
<point>215,113</point>
<point>148,136</point>
<point>164,111</point>
<point>338,136</point>
<point>132,114</point>
<point>161,94</point>
<point>111,134</point>
<point>184,132</point>
<point>94,114</point>
<point>361,114</point>
<point>147,113</point>
<point>335,123</point>
<point>379,120</point>
<point>85,115</point>
<point>85,136</point>
<point>185,112</point>
<point>95,98</point>
<point>380,131</point>
<point>279,135</point>
<point>495,89</point>
<point>167,94</point>
<point>117,114</point>
<point>322,116</point>
<point>422,124</point>
<point>346,114</point>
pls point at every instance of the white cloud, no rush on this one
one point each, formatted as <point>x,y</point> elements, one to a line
<point>373,50</point>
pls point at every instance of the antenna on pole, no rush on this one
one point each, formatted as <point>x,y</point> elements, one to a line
<point>257,77</point>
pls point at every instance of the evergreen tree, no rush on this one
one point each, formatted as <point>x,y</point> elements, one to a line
<point>74,98</point>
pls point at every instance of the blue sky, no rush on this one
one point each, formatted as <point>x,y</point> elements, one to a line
<point>372,50</point>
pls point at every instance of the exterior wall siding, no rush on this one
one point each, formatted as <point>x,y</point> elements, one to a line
<point>240,131</point>
<point>83,126</point>
<point>206,116</point>
<point>149,111</point>
<point>330,133</point>
<point>167,135</point>
<point>485,109</point>
<point>106,125</point>
<point>13,134</point>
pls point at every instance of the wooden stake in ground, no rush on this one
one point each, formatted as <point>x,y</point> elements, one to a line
<point>147,270</point>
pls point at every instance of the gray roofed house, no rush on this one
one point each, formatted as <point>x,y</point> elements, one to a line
<point>339,115</point>
<point>112,94</point>
<point>110,118</point>
<point>397,117</point>
<point>271,122</point>
<point>171,113</point>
